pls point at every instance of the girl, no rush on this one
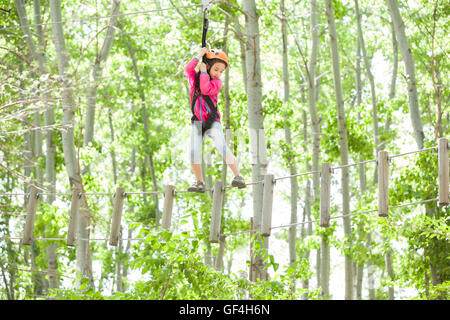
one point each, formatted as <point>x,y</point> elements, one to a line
<point>204,87</point>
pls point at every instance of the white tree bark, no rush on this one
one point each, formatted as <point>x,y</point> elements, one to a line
<point>288,136</point>
<point>315,121</point>
<point>70,156</point>
<point>38,56</point>
<point>306,228</point>
<point>96,73</point>
<point>408,59</point>
<point>149,157</point>
<point>376,135</point>
<point>255,120</point>
<point>343,144</point>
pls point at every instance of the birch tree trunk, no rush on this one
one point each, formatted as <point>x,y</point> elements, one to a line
<point>376,135</point>
<point>149,156</point>
<point>68,142</point>
<point>52,266</point>
<point>226,120</point>
<point>288,136</point>
<point>413,100</point>
<point>361,167</point>
<point>226,110</point>
<point>343,146</point>
<point>256,126</point>
<point>322,258</point>
<point>96,73</point>
<point>315,121</point>
<point>38,57</point>
<point>389,257</point>
<point>306,229</point>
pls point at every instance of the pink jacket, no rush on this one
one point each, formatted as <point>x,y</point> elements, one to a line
<point>207,87</point>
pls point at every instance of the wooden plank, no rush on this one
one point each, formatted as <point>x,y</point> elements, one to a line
<point>73,218</point>
<point>168,207</point>
<point>383,183</point>
<point>325,199</point>
<point>117,216</point>
<point>31,214</point>
<point>443,171</point>
<point>216,212</point>
<point>267,205</point>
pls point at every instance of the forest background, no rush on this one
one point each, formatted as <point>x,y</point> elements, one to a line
<point>93,97</point>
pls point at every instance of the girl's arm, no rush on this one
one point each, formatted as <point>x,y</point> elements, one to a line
<point>189,71</point>
<point>208,87</point>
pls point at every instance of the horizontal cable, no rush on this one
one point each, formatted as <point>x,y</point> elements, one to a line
<point>227,187</point>
<point>81,239</point>
<point>331,218</point>
<point>40,271</point>
<point>245,231</point>
<point>411,152</point>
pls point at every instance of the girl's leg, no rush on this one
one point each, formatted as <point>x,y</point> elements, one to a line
<point>196,149</point>
<point>197,168</point>
<point>216,134</point>
<point>231,161</point>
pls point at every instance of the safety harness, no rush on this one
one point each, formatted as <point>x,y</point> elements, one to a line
<point>213,114</point>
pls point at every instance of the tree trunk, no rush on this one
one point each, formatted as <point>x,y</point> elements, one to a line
<point>34,138</point>
<point>149,156</point>
<point>226,110</point>
<point>290,158</point>
<point>38,57</point>
<point>96,73</point>
<point>323,252</point>
<point>226,121</point>
<point>343,146</point>
<point>413,100</point>
<point>70,156</point>
<point>315,121</point>
<point>256,126</point>
<point>361,167</point>
<point>389,256</point>
<point>306,229</point>
<point>52,266</point>
<point>370,271</point>
<point>376,135</point>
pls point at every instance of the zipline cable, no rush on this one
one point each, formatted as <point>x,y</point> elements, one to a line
<point>143,12</point>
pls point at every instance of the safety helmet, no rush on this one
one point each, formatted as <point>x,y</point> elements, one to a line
<point>217,54</point>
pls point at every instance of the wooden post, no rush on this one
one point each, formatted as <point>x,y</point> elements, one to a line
<point>267,205</point>
<point>117,216</point>
<point>73,218</point>
<point>29,222</point>
<point>443,171</point>
<point>219,260</point>
<point>325,199</point>
<point>383,183</point>
<point>216,212</point>
<point>168,206</point>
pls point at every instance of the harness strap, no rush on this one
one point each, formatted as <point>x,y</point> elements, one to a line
<point>213,114</point>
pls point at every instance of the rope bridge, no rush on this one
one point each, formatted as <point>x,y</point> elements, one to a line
<point>219,189</point>
<point>268,184</point>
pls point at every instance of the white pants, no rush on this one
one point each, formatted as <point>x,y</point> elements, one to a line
<point>215,133</point>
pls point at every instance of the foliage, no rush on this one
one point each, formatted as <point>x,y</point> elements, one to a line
<point>142,110</point>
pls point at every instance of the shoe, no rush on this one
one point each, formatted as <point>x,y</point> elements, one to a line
<point>197,186</point>
<point>238,181</point>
